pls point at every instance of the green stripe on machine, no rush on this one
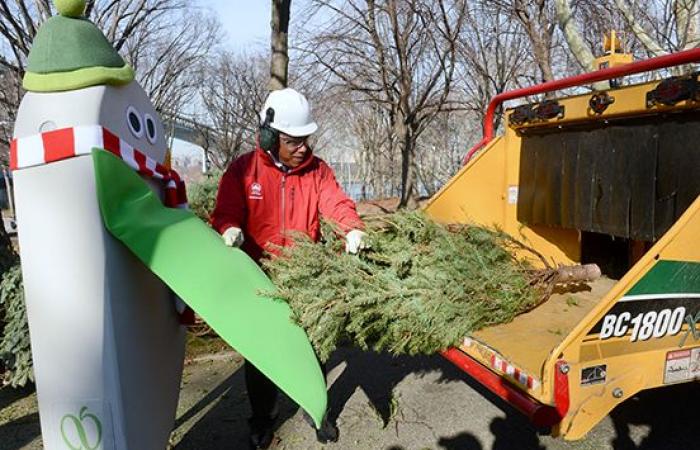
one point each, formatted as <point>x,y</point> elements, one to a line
<point>679,277</point>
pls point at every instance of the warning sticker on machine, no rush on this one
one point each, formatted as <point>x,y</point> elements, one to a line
<point>593,375</point>
<point>512,195</point>
<point>682,365</point>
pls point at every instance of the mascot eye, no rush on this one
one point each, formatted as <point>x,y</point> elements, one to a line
<point>151,130</point>
<point>133,118</point>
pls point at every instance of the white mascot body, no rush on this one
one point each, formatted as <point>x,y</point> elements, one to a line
<point>105,334</point>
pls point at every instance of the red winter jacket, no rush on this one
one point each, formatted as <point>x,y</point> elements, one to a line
<point>258,197</point>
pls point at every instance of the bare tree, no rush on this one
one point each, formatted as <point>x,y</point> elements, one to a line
<point>493,51</point>
<point>148,33</point>
<point>166,62</point>
<point>443,146</point>
<point>659,26</point>
<point>371,142</point>
<point>279,61</point>
<point>663,26</point>
<point>577,44</point>
<point>232,91</point>
<point>398,55</point>
<point>539,21</point>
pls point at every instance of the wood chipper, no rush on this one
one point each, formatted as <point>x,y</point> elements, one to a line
<point>609,177</point>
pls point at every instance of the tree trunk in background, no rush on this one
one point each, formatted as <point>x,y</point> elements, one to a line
<point>687,14</point>
<point>278,41</point>
<point>577,45</point>
<point>409,191</point>
<point>647,41</point>
<point>542,51</point>
<point>407,143</point>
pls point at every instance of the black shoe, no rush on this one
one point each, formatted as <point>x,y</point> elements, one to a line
<point>261,434</point>
<point>327,433</point>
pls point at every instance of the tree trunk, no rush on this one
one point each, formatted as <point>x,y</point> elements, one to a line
<point>686,12</point>
<point>543,57</point>
<point>647,41</point>
<point>577,45</point>
<point>279,62</point>
<point>409,191</point>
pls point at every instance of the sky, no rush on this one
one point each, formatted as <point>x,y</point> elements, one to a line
<point>245,22</point>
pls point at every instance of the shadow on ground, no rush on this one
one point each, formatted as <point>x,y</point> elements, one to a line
<point>653,420</point>
<point>18,432</point>
<point>224,426</point>
<point>670,413</point>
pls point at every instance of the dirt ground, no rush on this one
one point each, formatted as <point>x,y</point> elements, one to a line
<point>382,402</point>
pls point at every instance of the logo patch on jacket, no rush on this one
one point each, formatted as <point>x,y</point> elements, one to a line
<point>255,191</point>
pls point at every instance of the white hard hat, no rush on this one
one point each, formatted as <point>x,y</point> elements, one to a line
<point>292,113</point>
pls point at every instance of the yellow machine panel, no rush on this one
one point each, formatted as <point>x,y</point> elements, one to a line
<point>629,331</point>
<point>485,191</point>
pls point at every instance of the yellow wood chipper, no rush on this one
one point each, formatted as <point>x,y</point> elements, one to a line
<point>610,177</point>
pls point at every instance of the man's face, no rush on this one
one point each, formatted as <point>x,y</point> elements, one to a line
<point>292,150</point>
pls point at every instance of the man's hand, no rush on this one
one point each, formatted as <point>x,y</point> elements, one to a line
<point>233,237</point>
<point>355,241</point>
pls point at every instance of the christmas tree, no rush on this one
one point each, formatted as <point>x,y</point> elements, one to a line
<point>419,288</point>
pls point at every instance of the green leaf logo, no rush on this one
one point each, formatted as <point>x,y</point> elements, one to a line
<point>70,421</point>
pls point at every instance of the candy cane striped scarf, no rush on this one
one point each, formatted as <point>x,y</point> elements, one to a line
<point>65,143</point>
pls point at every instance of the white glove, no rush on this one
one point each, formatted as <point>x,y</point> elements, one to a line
<point>233,237</point>
<point>355,241</point>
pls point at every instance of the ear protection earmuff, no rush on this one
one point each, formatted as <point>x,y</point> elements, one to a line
<point>269,137</point>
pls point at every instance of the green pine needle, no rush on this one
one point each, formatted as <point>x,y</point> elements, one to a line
<point>419,288</point>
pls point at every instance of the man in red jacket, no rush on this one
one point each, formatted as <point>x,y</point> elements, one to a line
<point>267,195</point>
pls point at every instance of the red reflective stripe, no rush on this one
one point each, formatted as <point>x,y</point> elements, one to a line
<point>58,144</point>
<point>111,142</point>
<point>561,389</point>
<point>13,154</point>
<point>540,414</point>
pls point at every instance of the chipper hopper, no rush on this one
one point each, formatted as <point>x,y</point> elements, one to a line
<point>610,177</point>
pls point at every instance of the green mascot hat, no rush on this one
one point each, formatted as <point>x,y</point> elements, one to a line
<point>70,52</point>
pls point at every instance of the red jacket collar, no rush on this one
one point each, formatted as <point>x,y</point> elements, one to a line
<point>267,159</point>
